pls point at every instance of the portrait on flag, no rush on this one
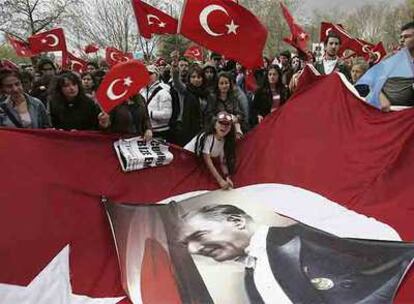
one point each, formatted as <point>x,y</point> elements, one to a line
<point>254,245</point>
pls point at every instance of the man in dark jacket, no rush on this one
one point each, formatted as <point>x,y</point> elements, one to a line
<point>331,62</point>
<point>297,263</point>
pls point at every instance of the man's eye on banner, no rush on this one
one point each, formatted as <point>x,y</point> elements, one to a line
<point>268,243</point>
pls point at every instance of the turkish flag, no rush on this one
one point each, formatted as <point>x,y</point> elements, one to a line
<point>360,47</point>
<point>299,38</point>
<point>346,151</point>
<point>114,56</point>
<point>194,52</point>
<point>121,82</point>
<point>225,27</point>
<point>379,52</point>
<point>73,63</point>
<point>49,41</point>
<point>153,21</point>
<point>91,48</point>
<point>21,48</point>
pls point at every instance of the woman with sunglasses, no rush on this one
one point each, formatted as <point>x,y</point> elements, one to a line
<point>217,147</point>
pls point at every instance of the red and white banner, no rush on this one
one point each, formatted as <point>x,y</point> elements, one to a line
<point>195,53</point>
<point>151,20</point>
<point>49,41</point>
<point>227,28</point>
<point>121,82</point>
<point>73,63</point>
<point>299,39</point>
<point>346,151</point>
<point>21,48</point>
<point>114,56</point>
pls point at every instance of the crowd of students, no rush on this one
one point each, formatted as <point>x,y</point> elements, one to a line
<point>203,107</point>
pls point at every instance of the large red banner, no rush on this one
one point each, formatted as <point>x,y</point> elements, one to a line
<point>324,139</point>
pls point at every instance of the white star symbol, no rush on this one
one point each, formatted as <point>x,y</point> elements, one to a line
<point>232,27</point>
<point>43,41</point>
<point>128,81</point>
<point>302,36</point>
<point>51,285</point>
<point>162,24</point>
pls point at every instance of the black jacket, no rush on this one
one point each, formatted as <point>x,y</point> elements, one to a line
<point>362,271</point>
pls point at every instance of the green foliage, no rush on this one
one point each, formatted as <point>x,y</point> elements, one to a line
<point>170,43</point>
<point>7,52</point>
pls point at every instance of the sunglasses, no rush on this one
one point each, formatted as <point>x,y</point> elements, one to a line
<point>224,117</point>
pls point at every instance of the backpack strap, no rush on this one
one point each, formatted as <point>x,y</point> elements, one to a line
<point>156,90</point>
<point>11,116</point>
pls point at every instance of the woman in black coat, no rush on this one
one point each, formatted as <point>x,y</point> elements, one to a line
<point>271,95</point>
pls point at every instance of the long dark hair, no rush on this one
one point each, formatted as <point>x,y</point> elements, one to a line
<point>55,93</point>
<point>280,87</point>
<point>230,79</point>
<point>229,143</point>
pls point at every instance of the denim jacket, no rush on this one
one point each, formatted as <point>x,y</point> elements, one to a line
<point>36,110</point>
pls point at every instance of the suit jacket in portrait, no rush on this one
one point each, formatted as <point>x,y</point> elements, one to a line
<point>314,267</point>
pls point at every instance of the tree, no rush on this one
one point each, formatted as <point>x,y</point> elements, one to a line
<point>112,23</point>
<point>23,18</point>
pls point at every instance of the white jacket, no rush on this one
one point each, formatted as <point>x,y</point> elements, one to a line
<point>160,106</point>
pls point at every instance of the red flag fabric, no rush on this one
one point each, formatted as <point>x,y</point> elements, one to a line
<point>194,52</point>
<point>114,56</point>
<point>73,63</point>
<point>21,48</point>
<point>250,81</point>
<point>345,151</point>
<point>156,272</point>
<point>299,38</point>
<point>379,52</point>
<point>91,48</point>
<point>151,20</point>
<point>307,77</point>
<point>49,41</point>
<point>225,27</point>
<point>122,81</point>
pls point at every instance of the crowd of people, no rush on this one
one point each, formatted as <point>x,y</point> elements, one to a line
<point>204,107</point>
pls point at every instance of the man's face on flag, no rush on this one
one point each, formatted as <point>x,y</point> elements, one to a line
<point>407,38</point>
<point>221,240</point>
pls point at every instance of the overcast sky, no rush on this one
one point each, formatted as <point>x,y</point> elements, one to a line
<point>310,5</point>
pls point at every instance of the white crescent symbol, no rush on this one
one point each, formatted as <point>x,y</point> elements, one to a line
<point>111,55</point>
<point>55,40</point>
<point>204,16</point>
<point>378,54</point>
<point>74,62</point>
<point>110,91</point>
<point>366,48</point>
<point>150,16</point>
<point>196,53</point>
<point>327,31</point>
